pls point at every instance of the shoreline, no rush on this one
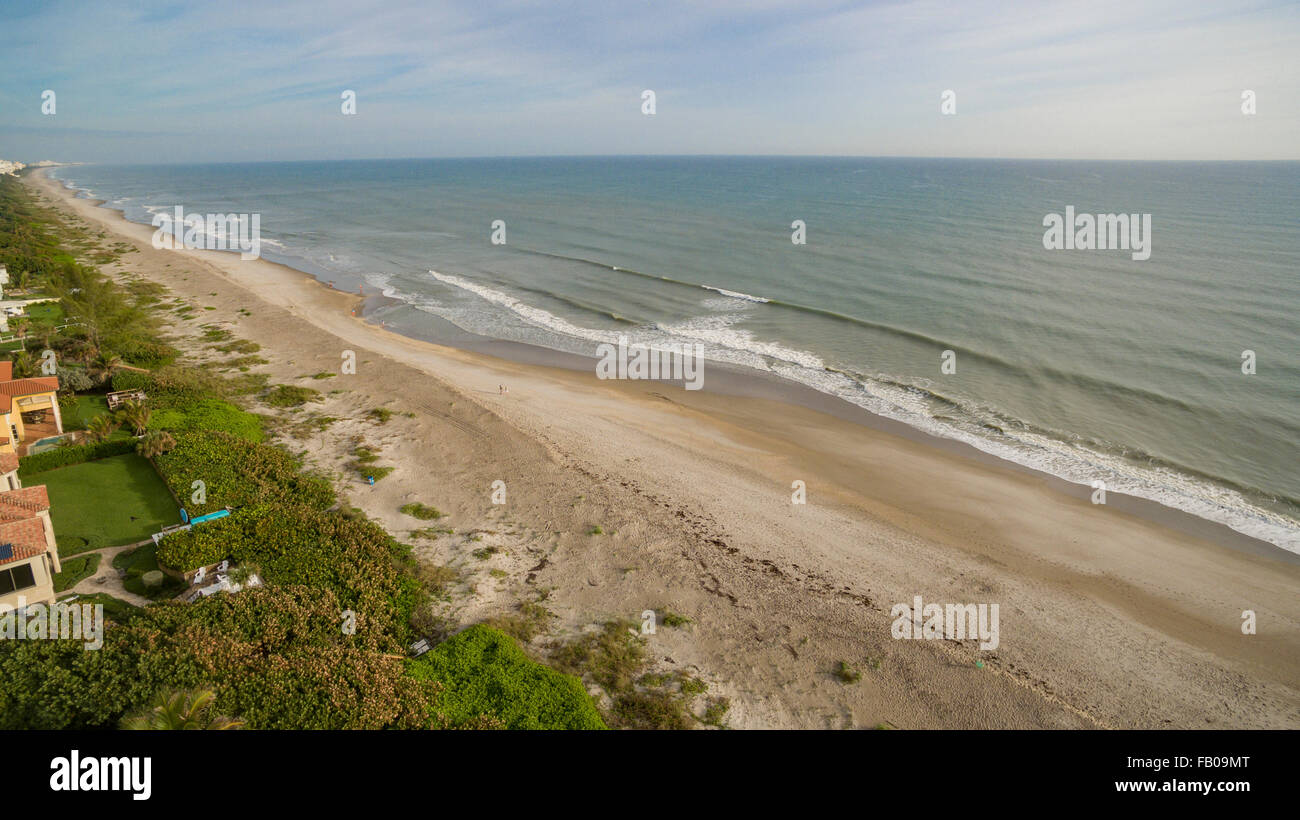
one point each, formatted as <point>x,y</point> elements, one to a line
<point>747,383</point>
<point>889,512</point>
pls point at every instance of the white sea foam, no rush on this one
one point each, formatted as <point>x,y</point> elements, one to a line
<point>734,294</point>
<point>1065,460</point>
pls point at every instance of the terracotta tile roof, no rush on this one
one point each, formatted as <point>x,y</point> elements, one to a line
<point>23,503</point>
<point>8,462</point>
<point>19,523</point>
<point>27,538</point>
<point>27,387</point>
<point>14,388</point>
<point>6,371</point>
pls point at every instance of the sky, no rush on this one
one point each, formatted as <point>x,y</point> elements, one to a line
<point>164,82</point>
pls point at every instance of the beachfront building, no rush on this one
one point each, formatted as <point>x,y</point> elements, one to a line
<point>30,408</point>
<point>9,472</point>
<point>29,557</point>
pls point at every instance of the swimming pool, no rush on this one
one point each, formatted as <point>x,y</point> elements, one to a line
<point>41,445</point>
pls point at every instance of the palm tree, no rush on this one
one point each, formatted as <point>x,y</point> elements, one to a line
<point>24,365</point>
<point>135,415</point>
<point>100,428</point>
<point>155,444</point>
<point>104,365</point>
<point>181,710</point>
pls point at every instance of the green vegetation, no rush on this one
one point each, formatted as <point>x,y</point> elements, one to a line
<point>29,466</point>
<point>274,656</point>
<point>421,511</point>
<point>847,672</point>
<point>210,414</point>
<point>484,674</point>
<point>615,659</point>
<point>105,503</point>
<point>139,562</point>
<point>81,410</point>
<point>364,463</point>
<point>380,415</point>
<point>171,710</point>
<point>299,545</point>
<point>115,609</point>
<point>669,618</point>
<point>715,711</point>
<point>76,570</point>
<point>288,395</point>
<point>437,579</point>
<point>236,472</point>
<point>529,620</point>
<point>242,346</point>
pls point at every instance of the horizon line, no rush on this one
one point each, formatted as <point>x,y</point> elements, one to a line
<point>63,163</point>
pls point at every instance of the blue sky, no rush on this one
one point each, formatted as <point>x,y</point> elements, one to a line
<point>232,81</point>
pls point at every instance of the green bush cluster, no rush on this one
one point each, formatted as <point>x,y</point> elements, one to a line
<point>237,472</point>
<point>483,672</point>
<point>299,545</point>
<point>170,387</point>
<point>209,414</point>
<point>276,657</point>
<point>288,395</point>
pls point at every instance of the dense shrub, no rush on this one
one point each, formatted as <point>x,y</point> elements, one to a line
<point>288,395</point>
<point>237,472</point>
<point>130,380</point>
<point>484,672</point>
<point>75,379</point>
<point>143,352</point>
<point>76,454</point>
<point>295,544</point>
<point>209,414</point>
<point>276,657</point>
<point>170,387</point>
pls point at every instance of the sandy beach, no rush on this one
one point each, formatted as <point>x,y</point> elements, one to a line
<point>1121,615</point>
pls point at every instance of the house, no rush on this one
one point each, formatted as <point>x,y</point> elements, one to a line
<point>30,408</point>
<point>9,472</point>
<point>29,556</point>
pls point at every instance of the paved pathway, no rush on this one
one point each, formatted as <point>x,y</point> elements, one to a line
<point>106,579</point>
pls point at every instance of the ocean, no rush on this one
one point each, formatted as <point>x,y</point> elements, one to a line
<point>1086,364</point>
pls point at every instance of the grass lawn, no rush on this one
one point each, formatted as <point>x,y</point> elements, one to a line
<point>87,407</point>
<point>105,503</point>
<point>48,313</point>
<point>137,562</point>
<point>75,570</point>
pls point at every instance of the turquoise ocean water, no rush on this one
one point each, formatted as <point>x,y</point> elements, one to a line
<point>1085,364</point>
